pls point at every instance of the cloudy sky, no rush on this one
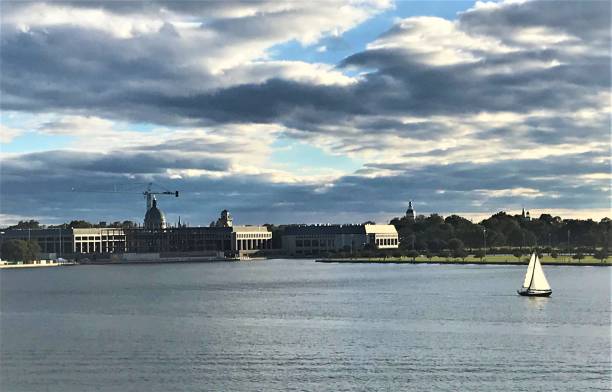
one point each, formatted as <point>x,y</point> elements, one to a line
<point>304,111</point>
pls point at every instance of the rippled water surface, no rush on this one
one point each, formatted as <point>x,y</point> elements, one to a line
<point>296,325</point>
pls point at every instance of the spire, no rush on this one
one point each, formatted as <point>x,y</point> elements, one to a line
<point>410,211</point>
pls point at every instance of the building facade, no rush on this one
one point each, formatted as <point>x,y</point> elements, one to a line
<point>231,241</point>
<point>68,242</point>
<point>155,236</point>
<point>320,239</point>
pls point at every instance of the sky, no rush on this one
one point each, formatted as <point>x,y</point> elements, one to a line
<point>303,112</point>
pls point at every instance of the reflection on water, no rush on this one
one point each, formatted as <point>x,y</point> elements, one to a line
<point>287,325</point>
<point>537,303</point>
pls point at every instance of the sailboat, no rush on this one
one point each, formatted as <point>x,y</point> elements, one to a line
<point>535,284</point>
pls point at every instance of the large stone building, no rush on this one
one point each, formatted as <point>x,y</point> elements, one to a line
<point>68,242</point>
<point>155,236</point>
<point>320,239</point>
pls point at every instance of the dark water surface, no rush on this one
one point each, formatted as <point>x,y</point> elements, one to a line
<point>296,325</point>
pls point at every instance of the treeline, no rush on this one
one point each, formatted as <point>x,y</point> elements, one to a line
<point>20,250</point>
<point>503,232</point>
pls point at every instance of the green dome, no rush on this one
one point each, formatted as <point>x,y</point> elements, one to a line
<point>154,218</point>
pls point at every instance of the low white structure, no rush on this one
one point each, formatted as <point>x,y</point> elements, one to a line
<point>382,236</point>
<point>318,239</point>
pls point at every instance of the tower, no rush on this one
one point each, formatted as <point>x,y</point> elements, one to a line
<point>410,214</point>
<point>225,220</point>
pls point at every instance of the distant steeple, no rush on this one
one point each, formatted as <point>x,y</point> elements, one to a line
<point>410,214</point>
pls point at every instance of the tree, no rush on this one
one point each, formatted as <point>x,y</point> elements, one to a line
<point>578,256</point>
<point>429,255</point>
<point>20,250</point>
<point>444,254</point>
<point>554,254</point>
<point>460,253</point>
<point>515,236</point>
<point>601,255</point>
<point>413,254</point>
<point>30,224</point>
<point>518,254</point>
<point>80,224</point>
<point>455,244</point>
<point>479,254</point>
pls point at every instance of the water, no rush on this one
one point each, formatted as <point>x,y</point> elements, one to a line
<point>296,325</point>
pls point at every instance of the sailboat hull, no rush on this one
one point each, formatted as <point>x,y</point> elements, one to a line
<point>534,293</point>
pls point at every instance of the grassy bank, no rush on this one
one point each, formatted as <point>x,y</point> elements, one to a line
<point>494,259</point>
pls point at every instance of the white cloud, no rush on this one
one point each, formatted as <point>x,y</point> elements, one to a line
<point>438,41</point>
<point>7,134</point>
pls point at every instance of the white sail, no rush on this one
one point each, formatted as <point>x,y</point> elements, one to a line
<point>539,281</point>
<point>529,274</point>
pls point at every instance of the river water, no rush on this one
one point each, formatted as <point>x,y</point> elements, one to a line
<point>295,325</point>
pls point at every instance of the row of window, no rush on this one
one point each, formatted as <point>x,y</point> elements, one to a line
<point>314,243</point>
<point>254,235</point>
<point>97,237</point>
<point>387,241</point>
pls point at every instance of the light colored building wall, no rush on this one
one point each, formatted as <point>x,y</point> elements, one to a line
<point>250,239</point>
<point>318,239</point>
<point>99,240</point>
<point>382,236</point>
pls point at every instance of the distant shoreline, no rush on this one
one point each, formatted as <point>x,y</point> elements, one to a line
<point>606,263</point>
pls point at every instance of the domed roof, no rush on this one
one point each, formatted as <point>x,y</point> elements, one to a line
<point>154,218</point>
<point>410,211</point>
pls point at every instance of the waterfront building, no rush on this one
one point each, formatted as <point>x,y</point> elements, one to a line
<point>319,239</point>
<point>154,237</point>
<point>230,241</point>
<point>66,242</point>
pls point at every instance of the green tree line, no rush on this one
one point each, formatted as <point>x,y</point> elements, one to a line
<point>435,233</point>
<point>20,250</point>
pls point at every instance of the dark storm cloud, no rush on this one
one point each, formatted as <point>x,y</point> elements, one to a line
<point>139,7</point>
<point>588,20</point>
<point>115,162</point>
<point>456,187</point>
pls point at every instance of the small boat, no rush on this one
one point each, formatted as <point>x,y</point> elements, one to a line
<point>535,284</point>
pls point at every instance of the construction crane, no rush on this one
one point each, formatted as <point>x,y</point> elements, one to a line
<point>148,194</point>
